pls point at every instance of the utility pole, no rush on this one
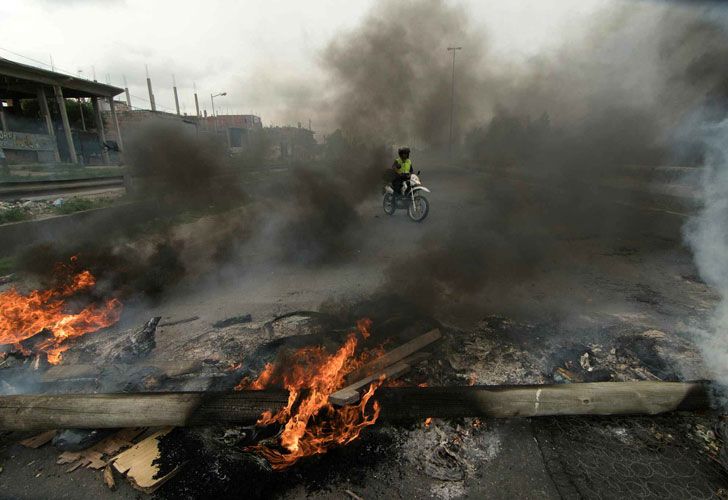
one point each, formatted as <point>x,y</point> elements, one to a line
<point>80,104</point>
<point>176,99</point>
<point>197,103</point>
<point>126,90</point>
<point>212,101</point>
<point>149,87</point>
<point>452,98</point>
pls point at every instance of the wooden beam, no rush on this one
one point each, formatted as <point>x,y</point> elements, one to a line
<point>395,355</point>
<point>38,412</point>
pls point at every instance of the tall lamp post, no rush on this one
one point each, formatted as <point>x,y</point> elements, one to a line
<point>212,101</point>
<point>452,97</point>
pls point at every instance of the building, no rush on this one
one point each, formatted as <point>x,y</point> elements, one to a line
<point>237,129</point>
<point>34,116</point>
<point>291,143</point>
<point>129,119</point>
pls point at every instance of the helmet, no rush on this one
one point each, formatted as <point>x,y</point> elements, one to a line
<point>403,151</point>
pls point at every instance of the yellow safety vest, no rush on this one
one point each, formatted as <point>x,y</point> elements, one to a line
<point>404,167</point>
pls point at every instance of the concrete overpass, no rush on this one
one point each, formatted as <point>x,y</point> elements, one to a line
<point>20,81</point>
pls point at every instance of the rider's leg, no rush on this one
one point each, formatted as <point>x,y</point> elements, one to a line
<point>397,184</point>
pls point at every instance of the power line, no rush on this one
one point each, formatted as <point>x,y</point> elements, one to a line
<point>75,75</point>
<point>55,68</point>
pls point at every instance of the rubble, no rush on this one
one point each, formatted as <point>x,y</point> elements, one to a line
<point>124,347</point>
<point>449,452</point>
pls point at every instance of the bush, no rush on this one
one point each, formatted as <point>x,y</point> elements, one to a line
<point>75,205</point>
<point>13,214</point>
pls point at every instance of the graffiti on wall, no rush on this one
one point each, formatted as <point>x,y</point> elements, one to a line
<point>26,142</point>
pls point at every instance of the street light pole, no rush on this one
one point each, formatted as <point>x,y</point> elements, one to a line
<point>452,98</point>
<point>212,101</point>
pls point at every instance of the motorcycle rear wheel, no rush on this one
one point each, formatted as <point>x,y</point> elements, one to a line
<point>389,204</point>
<point>418,208</point>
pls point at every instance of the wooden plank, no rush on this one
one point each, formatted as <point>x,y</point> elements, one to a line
<point>137,463</point>
<point>395,355</point>
<point>109,478</point>
<point>350,394</point>
<point>38,412</point>
<point>97,455</point>
<point>38,440</point>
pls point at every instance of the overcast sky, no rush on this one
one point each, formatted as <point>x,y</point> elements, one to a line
<point>264,53</point>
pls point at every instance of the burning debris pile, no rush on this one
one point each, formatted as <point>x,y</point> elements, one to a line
<point>319,359</point>
<point>58,314</point>
<point>311,424</point>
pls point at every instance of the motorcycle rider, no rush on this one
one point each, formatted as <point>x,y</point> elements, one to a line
<point>402,168</point>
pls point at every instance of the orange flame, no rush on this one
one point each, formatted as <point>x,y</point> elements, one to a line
<point>311,425</point>
<point>23,316</point>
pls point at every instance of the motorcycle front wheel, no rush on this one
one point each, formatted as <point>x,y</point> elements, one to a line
<point>418,208</point>
<point>389,204</point>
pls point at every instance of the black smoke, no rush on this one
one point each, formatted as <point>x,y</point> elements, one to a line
<point>391,75</point>
<point>181,219</point>
<point>560,141</point>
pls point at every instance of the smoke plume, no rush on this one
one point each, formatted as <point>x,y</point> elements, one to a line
<point>392,73</point>
<point>146,248</point>
<point>707,234</point>
<point>559,136</point>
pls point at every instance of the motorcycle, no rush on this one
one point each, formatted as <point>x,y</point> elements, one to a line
<point>411,199</point>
